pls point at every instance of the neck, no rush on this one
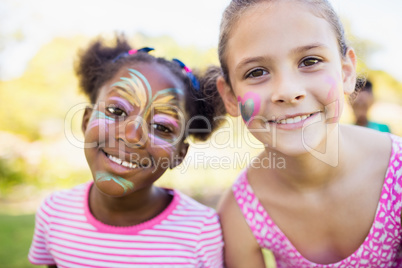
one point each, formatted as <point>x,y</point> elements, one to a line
<point>313,170</point>
<point>135,208</point>
<point>306,173</point>
<point>361,122</point>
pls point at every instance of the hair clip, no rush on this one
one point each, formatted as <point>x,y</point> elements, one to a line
<point>133,51</point>
<point>194,80</point>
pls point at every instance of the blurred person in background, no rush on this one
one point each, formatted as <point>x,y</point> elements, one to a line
<point>361,105</point>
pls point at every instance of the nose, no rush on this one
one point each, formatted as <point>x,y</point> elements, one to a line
<point>134,133</point>
<point>288,90</point>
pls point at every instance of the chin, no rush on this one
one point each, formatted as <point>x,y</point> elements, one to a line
<point>112,185</point>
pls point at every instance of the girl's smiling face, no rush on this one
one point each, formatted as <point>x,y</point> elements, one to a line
<point>135,131</point>
<point>287,75</point>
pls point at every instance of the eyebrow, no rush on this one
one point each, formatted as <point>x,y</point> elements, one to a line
<point>294,51</point>
<point>167,110</point>
<point>308,47</point>
<point>128,95</point>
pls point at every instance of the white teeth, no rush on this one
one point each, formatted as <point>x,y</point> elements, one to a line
<point>115,159</point>
<point>297,119</point>
<point>125,164</point>
<point>121,162</point>
<point>290,121</point>
<point>293,119</point>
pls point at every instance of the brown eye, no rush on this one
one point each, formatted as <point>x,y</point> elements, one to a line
<point>256,73</point>
<point>309,62</point>
<point>116,111</point>
<point>161,128</point>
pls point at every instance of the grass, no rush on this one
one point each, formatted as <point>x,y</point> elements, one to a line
<point>16,234</point>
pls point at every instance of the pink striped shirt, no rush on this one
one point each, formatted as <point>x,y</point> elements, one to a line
<point>185,234</point>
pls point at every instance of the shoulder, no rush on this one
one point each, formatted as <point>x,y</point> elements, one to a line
<point>233,198</point>
<point>202,221</point>
<point>241,247</point>
<point>366,142</point>
<point>396,144</point>
<point>60,199</point>
<point>396,156</point>
<point>192,210</point>
<point>73,194</point>
<point>187,203</point>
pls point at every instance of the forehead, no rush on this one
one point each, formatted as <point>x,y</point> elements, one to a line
<point>157,75</point>
<point>137,78</point>
<point>278,24</point>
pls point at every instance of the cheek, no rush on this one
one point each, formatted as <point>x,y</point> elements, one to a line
<point>333,98</point>
<point>249,105</point>
<point>98,125</point>
<point>332,93</point>
<point>160,146</point>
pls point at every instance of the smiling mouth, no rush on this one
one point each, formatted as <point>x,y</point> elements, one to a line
<point>124,163</point>
<point>292,120</point>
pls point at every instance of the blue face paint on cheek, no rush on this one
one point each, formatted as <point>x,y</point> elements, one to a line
<point>104,176</point>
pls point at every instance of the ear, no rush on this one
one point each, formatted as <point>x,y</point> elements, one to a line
<point>183,149</point>
<point>85,119</point>
<point>228,97</point>
<point>349,71</point>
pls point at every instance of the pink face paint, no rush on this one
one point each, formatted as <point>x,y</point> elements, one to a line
<point>331,93</point>
<point>128,108</point>
<point>164,119</point>
<point>162,144</point>
<point>137,93</point>
<point>249,105</point>
<point>332,100</point>
<point>99,119</point>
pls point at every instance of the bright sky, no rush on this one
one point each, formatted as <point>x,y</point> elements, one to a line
<point>189,22</point>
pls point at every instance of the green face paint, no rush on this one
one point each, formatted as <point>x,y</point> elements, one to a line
<point>105,176</point>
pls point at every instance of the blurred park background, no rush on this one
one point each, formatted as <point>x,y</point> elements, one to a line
<point>39,98</point>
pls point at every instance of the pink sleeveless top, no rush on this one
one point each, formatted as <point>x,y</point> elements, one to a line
<point>381,248</point>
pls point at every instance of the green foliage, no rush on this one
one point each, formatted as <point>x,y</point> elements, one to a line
<point>45,91</point>
<point>16,233</point>
<point>13,173</point>
<point>165,46</point>
<point>385,87</point>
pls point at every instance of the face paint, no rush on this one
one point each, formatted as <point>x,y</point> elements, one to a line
<point>104,176</point>
<point>333,103</point>
<point>127,105</point>
<point>124,104</point>
<point>249,105</point>
<point>162,144</point>
<point>134,91</point>
<point>165,120</point>
<point>100,119</point>
<point>162,141</point>
<point>137,91</point>
<point>331,93</point>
